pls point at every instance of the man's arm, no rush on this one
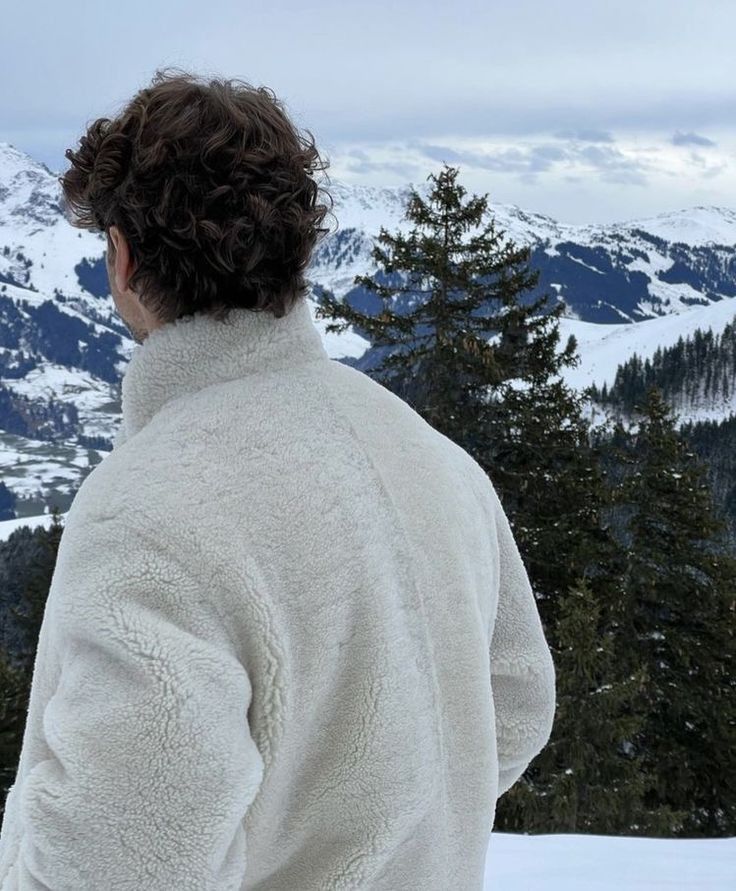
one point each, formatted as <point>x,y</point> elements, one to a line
<point>522,670</point>
<point>152,766</point>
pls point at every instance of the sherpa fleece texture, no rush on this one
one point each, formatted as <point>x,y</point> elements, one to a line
<point>290,643</point>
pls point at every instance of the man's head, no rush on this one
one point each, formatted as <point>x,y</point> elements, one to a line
<point>205,190</point>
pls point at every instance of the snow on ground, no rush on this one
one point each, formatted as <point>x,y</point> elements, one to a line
<point>697,225</point>
<point>563,862</point>
<point>602,348</point>
<point>30,466</point>
<point>7,527</point>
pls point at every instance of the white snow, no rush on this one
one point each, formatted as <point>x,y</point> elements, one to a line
<point>603,347</point>
<point>7,527</point>
<point>695,226</point>
<point>570,862</point>
<point>33,467</point>
<point>347,343</point>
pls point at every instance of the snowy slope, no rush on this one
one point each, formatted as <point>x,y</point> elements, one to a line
<point>650,280</point>
<point>604,347</point>
<point>32,222</point>
<point>699,225</point>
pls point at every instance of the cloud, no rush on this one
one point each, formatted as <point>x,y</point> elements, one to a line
<point>585,135</point>
<point>690,139</point>
<point>362,167</point>
<point>521,160</point>
<point>526,161</point>
<point>614,166</point>
<point>707,169</point>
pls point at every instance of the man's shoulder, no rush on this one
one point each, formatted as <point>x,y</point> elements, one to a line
<point>130,485</point>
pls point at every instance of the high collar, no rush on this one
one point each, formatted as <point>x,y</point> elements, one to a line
<point>198,350</point>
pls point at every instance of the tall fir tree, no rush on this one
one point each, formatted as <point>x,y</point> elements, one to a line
<point>437,353</point>
<point>680,614</point>
<point>481,365</point>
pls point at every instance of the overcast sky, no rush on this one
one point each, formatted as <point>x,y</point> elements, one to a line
<point>586,110</point>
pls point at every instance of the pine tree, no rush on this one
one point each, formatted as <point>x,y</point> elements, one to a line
<point>29,613</point>
<point>481,365</point>
<point>7,502</point>
<point>433,282</point>
<point>549,475</point>
<point>16,669</point>
<point>680,583</point>
<point>588,775</point>
<point>15,688</point>
<point>489,381</point>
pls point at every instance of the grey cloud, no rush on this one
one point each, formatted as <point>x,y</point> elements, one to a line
<point>511,160</point>
<point>707,170</point>
<point>690,139</point>
<point>710,172</point>
<point>541,157</point>
<point>363,167</point>
<point>527,161</point>
<point>445,153</point>
<point>613,166</point>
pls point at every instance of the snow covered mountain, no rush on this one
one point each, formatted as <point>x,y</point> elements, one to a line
<point>629,286</point>
<point>614,273</point>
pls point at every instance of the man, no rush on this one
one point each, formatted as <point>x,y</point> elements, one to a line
<point>290,642</point>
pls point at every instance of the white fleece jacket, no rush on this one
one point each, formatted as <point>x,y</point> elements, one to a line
<point>289,645</point>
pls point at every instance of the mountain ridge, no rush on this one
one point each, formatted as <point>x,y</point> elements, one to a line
<point>62,342</point>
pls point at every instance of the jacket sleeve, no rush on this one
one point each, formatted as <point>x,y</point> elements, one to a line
<point>149,767</point>
<point>522,671</point>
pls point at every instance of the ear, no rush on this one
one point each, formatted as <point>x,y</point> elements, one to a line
<point>122,266</point>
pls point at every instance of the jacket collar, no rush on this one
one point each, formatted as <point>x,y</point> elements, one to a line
<point>196,351</point>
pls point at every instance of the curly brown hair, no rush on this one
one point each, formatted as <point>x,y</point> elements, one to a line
<point>211,185</point>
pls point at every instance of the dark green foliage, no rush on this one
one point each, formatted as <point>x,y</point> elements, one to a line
<point>680,618</point>
<point>439,358</point>
<point>28,614</point>
<point>589,778</point>
<point>699,368</point>
<point>7,502</point>
<point>714,442</point>
<point>15,687</point>
<point>33,557</point>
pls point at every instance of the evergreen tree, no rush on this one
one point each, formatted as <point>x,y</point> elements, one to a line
<point>16,669</point>
<point>434,337</point>
<point>680,583</point>
<point>589,772</point>
<point>29,613</point>
<point>15,688</point>
<point>482,366</point>
<point>7,502</point>
<point>489,381</point>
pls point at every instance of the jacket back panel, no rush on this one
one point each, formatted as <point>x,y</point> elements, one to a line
<point>352,558</point>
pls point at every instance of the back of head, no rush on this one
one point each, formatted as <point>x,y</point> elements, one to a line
<point>211,184</point>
